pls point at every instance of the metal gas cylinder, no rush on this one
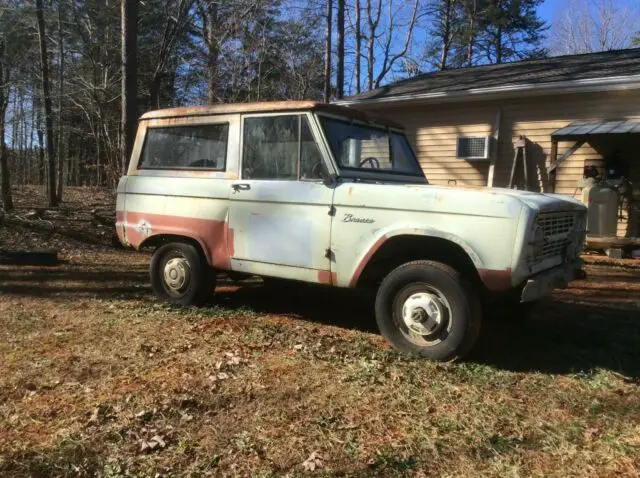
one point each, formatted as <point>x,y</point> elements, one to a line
<point>602,209</point>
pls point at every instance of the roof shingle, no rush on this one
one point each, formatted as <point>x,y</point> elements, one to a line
<point>531,72</point>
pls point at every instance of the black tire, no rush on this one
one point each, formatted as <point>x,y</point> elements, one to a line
<point>200,280</point>
<point>458,311</point>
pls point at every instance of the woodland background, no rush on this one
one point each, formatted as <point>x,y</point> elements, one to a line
<point>76,74</point>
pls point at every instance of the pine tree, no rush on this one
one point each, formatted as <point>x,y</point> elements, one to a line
<point>512,30</point>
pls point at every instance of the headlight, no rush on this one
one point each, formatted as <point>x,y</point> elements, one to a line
<point>537,241</point>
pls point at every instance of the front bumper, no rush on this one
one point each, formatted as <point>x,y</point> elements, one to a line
<point>542,285</point>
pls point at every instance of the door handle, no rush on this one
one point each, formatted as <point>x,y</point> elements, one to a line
<point>241,187</point>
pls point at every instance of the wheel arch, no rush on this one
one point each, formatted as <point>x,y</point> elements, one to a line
<point>392,249</point>
<point>158,240</point>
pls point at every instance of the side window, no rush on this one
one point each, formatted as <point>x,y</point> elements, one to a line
<point>311,163</point>
<point>186,147</point>
<point>280,147</point>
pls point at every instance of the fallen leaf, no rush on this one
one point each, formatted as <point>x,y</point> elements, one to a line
<point>159,440</point>
<point>314,461</point>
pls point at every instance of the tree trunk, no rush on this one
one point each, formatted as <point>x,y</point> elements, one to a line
<point>446,34</point>
<point>40,134</point>
<point>327,53</point>
<point>154,92</point>
<point>4,166</point>
<point>358,47</point>
<point>213,51</point>
<point>472,33</point>
<point>129,19</point>
<point>373,26</point>
<point>4,169</point>
<point>340,72</point>
<point>61,159</point>
<point>48,115</point>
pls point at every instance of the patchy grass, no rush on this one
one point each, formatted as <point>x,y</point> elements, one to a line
<point>98,378</point>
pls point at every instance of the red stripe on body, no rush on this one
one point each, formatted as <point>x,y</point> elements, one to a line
<point>215,237</point>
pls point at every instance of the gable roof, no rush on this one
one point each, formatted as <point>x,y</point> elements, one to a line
<point>593,70</point>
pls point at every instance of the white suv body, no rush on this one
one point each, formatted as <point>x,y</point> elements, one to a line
<point>332,195</point>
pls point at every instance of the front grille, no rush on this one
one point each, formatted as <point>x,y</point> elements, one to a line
<point>557,224</point>
<point>557,228</point>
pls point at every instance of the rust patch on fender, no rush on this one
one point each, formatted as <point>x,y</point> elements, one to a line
<point>326,277</point>
<point>365,261</point>
<point>496,280</point>
<point>119,227</point>
<point>215,237</point>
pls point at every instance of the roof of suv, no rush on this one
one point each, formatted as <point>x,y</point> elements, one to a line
<point>270,107</point>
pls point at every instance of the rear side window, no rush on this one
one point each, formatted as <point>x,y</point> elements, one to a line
<point>186,147</point>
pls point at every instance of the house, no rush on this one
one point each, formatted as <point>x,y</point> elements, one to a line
<point>566,113</point>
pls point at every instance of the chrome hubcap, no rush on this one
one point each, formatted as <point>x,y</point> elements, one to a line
<point>424,313</point>
<point>177,273</point>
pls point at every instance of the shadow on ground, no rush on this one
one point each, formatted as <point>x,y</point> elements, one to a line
<point>102,280</point>
<point>562,335</point>
<point>559,337</point>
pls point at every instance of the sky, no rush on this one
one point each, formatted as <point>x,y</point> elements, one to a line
<point>548,8</point>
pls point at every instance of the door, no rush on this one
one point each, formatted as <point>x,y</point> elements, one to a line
<point>280,209</point>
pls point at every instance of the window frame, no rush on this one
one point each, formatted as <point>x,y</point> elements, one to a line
<point>487,148</point>
<point>140,166</point>
<point>314,134</point>
<point>394,175</point>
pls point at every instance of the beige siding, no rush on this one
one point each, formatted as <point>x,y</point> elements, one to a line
<point>433,130</point>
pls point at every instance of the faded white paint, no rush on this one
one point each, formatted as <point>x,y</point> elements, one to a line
<point>326,232</point>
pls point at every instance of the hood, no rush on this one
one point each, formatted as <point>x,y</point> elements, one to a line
<point>494,202</point>
<point>542,202</point>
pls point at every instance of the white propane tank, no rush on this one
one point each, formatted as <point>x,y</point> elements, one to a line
<point>602,210</point>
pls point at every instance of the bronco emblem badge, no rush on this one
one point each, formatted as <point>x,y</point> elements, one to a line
<point>352,218</point>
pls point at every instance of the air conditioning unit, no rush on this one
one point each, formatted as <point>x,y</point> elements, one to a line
<point>474,148</point>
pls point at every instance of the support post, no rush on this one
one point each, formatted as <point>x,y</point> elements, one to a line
<point>552,164</point>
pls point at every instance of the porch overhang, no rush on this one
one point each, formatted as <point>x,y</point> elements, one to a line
<point>580,132</point>
<point>585,130</point>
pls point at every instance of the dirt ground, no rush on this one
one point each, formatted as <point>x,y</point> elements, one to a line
<point>98,378</point>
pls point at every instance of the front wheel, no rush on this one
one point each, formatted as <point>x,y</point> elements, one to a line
<point>427,308</point>
<point>180,275</point>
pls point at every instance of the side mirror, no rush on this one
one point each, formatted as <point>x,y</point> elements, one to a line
<point>330,180</point>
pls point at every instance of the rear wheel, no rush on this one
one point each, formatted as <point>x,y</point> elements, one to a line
<point>180,275</point>
<point>427,308</point>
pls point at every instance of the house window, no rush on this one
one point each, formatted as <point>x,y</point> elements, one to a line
<point>468,147</point>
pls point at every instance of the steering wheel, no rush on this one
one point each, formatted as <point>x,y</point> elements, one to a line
<point>375,164</point>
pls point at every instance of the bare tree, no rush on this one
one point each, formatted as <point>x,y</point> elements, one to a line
<point>48,114</point>
<point>386,37</point>
<point>327,52</point>
<point>4,102</point>
<point>61,158</point>
<point>129,19</point>
<point>358,40</point>
<point>212,25</point>
<point>176,16</point>
<point>340,50</point>
<point>586,26</point>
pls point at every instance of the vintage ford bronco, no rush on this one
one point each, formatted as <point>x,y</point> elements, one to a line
<point>333,195</point>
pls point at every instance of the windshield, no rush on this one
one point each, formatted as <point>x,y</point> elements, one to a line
<point>359,147</point>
